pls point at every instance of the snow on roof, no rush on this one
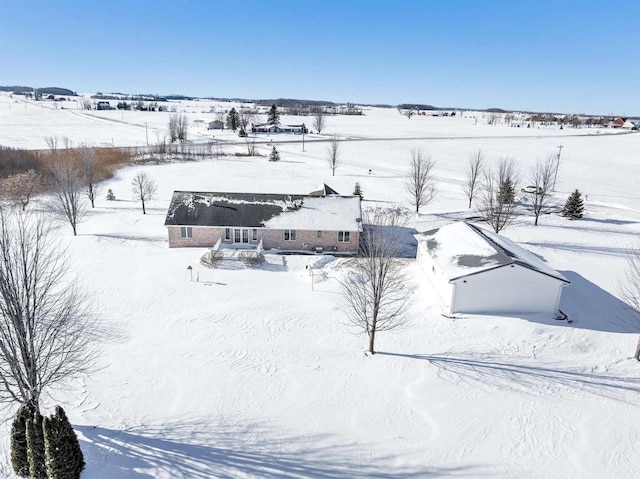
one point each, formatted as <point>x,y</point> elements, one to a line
<point>461,249</point>
<point>323,190</point>
<point>257,210</point>
<point>327,213</point>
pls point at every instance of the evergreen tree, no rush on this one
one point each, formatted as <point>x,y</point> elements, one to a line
<point>574,207</point>
<point>233,119</point>
<point>62,449</point>
<point>275,155</point>
<point>506,193</point>
<point>274,115</point>
<point>72,439</point>
<point>357,191</point>
<point>54,453</point>
<point>35,447</point>
<point>19,456</point>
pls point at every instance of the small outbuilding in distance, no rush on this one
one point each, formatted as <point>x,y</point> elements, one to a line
<point>475,271</point>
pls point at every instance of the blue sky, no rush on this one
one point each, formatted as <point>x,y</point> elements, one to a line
<point>561,56</point>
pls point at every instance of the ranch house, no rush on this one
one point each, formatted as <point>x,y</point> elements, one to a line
<point>321,221</point>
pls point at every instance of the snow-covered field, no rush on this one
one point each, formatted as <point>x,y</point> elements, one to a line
<point>252,373</point>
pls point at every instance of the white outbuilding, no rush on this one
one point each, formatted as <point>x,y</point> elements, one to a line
<point>476,271</point>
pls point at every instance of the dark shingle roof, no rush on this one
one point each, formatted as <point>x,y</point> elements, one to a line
<point>249,210</point>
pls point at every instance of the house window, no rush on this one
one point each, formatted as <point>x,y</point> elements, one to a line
<point>343,236</point>
<point>254,234</point>
<point>227,234</point>
<point>318,234</point>
<point>186,232</point>
<point>289,235</point>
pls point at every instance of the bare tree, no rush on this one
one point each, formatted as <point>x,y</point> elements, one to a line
<point>52,143</point>
<point>246,117</point>
<point>493,119</point>
<point>374,291</point>
<point>629,291</point>
<point>475,164</point>
<point>408,113</point>
<point>67,187</point>
<point>178,127</point>
<point>333,154</point>
<point>173,128</point>
<point>319,119</point>
<point>498,207</point>
<point>22,187</point>
<point>508,118</point>
<point>420,183</point>
<point>45,326</point>
<point>91,187</point>
<point>144,187</point>
<point>251,146</point>
<point>542,180</point>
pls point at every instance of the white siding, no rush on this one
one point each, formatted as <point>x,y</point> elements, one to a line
<point>508,289</point>
<point>436,276</point>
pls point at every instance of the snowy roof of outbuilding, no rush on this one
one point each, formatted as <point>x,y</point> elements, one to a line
<point>323,190</point>
<point>462,249</point>
<point>259,210</point>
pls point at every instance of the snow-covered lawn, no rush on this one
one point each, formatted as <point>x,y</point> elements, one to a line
<point>252,373</point>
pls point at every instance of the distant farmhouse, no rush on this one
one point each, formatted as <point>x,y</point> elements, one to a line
<point>322,221</point>
<point>277,128</point>
<point>209,124</point>
<point>476,271</point>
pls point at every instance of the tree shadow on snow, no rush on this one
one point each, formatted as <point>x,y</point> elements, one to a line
<point>608,221</point>
<point>528,375</point>
<point>205,449</point>
<point>579,248</point>
<point>122,238</point>
<point>408,244</point>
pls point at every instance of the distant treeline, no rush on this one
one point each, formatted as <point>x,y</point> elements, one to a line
<point>50,90</point>
<point>122,96</point>
<point>17,89</point>
<point>416,106</point>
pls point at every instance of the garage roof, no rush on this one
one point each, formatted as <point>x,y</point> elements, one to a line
<point>463,249</point>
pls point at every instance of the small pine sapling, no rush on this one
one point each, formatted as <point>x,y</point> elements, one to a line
<point>63,453</point>
<point>35,447</point>
<point>19,456</point>
<point>71,439</point>
<point>274,155</point>
<point>506,192</point>
<point>574,206</point>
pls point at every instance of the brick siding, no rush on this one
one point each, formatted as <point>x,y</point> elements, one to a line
<point>204,236</point>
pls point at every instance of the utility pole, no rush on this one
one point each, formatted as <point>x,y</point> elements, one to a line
<point>555,175</point>
<point>146,131</point>
<point>303,128</point>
